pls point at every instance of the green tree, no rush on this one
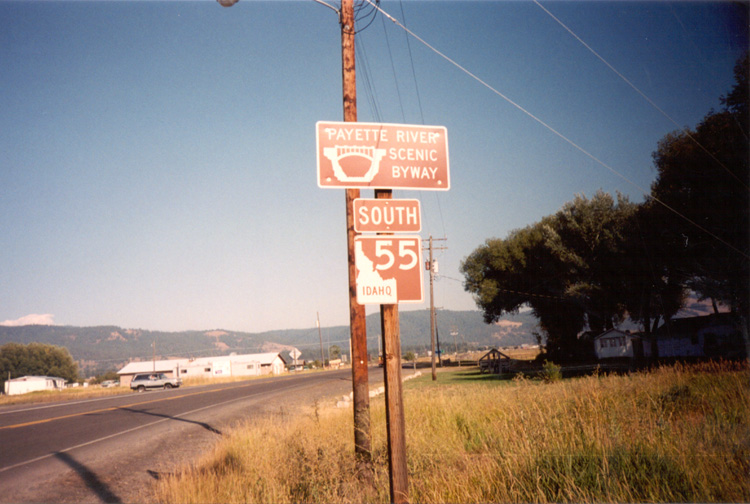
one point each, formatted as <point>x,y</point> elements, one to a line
<point>569,268</point>
<point>704,179</point>
<point>109,375</point>
<point>18,360</point>
<point>597,260</point>
<point>590,242</point>
<point>655,287</point>
<point>334,352</point>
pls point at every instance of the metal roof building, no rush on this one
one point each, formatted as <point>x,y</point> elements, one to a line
<point>208,367</point>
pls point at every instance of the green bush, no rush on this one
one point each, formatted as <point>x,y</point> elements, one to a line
<point>551,372</point>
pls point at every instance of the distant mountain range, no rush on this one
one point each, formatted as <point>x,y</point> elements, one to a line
<point>103,348</point>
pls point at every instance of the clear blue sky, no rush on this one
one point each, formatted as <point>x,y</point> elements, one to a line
<point>157,159</point>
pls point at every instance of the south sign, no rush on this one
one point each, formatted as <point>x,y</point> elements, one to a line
<point>387,216</point>
<point>376,155</point>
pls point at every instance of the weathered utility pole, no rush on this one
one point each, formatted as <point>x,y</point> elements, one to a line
<point>358,327</point>
<point>431,267</point>
<point>320,337</point>
<point>395,423</point>
<point>361,393</point>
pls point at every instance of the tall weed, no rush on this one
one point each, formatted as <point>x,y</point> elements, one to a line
<point>676,434</point>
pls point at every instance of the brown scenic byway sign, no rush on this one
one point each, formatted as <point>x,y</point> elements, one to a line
<point>387,216</point>
<point>384,156</point>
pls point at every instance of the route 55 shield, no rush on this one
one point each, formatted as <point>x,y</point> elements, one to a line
<point>389,269</point>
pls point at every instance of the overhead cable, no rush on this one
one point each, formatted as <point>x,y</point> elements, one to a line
<point>515,292</point>
<point>643,95</point>
<point>393,69</point>
<point>560,135</point>
<point>411,59</point>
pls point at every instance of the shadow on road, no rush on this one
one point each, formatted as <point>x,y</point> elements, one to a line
<point>160,415</point>
<point>92,481</point>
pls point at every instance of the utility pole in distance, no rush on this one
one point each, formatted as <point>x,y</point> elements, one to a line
<point>431,268</point>
<point>320,337</point>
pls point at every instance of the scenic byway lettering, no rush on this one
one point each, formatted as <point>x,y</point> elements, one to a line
<point>382,155</point>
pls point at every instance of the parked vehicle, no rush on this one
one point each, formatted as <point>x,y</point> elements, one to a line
<point>144,381</point>
<point>110,383</point>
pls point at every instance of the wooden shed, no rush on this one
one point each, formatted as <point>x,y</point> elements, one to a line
<point>495,362</point>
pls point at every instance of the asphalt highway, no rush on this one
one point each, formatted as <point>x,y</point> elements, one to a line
<point>109,449</point>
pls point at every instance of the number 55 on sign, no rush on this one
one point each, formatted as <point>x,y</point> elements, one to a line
<point>389,269</point>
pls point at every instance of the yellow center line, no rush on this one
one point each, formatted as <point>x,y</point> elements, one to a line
<point>102,410</point>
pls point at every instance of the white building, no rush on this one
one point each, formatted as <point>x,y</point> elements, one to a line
<point>208,367</point>
<point>27,384</point>
<point>616,344</point>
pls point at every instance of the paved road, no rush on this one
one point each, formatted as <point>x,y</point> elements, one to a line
<point>109,449</point>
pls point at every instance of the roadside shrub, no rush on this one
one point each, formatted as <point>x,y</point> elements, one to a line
<point>551,372</point>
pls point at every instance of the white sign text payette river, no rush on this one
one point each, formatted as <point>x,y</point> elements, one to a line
<point>385,156</point>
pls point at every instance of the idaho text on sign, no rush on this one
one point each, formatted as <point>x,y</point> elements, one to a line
<point>354,154</point>
<point>389,269</point>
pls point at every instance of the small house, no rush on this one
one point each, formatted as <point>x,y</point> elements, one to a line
<point>617,344</point>
<point>26,384</point>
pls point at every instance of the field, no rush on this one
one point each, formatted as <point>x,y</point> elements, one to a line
<point>674,434</point>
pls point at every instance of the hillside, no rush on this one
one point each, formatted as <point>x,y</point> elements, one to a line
<point>102,348</point>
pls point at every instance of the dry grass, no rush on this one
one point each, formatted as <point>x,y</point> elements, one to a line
<point>69,394</point>
<point>677,434</point>
<point>197,381</point>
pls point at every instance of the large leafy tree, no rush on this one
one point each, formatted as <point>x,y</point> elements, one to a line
<point>589,241</point>
<point>701,203</point>
<point>653,287</point>
<point>567,268</point>
<point>36,359</point>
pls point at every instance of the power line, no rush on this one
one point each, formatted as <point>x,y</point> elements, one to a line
<point>411,60</point>
<point>368,88</point>
<point>561,136</point>
<point>393,69</point>
<point>511,291</point>
<point>643,95</point>
<point>372,14</point>
<point>419,102</point>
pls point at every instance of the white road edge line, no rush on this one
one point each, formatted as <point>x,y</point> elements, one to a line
<point>37,459</point>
